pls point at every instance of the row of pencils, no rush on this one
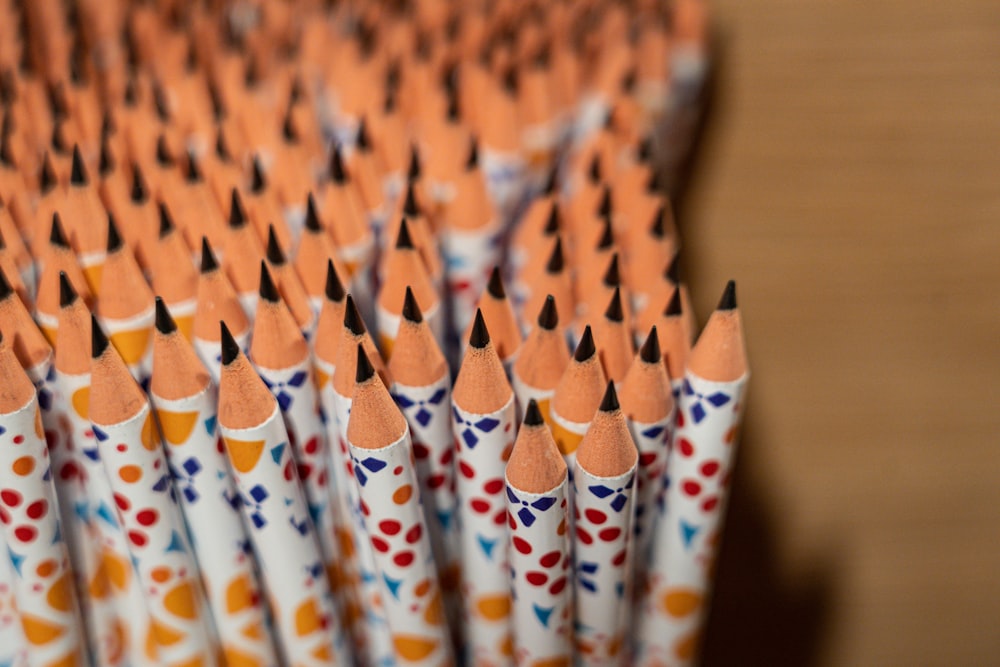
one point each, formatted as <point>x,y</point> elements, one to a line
<point>353,333</point>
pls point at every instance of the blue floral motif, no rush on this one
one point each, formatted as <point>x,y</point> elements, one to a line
<point>698,412</point>
<point>253,500</point>
<point>619,500</point>
<point>585,571</point>
<point>184,478</point>
<point>484,425</point>
<point>423,415</point>
<point>283,397</point>
<point>372,464</point>
<point>525,514</point>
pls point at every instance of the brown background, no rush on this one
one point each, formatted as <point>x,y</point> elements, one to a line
<point>850,180</point>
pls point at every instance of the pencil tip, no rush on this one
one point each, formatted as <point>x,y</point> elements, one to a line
<point>364,142</point>
<point>645,151</point>
<point>337,172</point>
<point>288,131</point>
<point>275,255</point>
<point>411,310</point>
<point>607,235</point>
<point>163,154</point>
<point>673,272</point>
<point>410,206</point>
<point>268,291</point>
<point>615,312</point>
<point>556,260</point>
<point>221,147</point>
<point>230,349</point>
<point>237,216</point>
<point>5,288</point>
<point>194,174</point>
<point>728,300</point>
<point>495,284</point>
<point>334,288</point>
<point>532,415</point>
<point>480,336</point>
<point>258,180</point>
<point>414,171</point>
<point>659,226</point>
<point>548,316</point>
<point>403,239</point>
<point>610,401</point>
<point>98,341</point>
<point>473,160</point>
<point>106,161</point>
<point>352,318</point>
<point>595,169</point>
<point>114,238</point>
<point>78,176</point>
<point>164,322</point>
<point>208,261</point>
<point>612,277</point>
<point>604,209</point>
<point>166,221</point>
<point>57,236</point>
<point>650,350</point>
<point>47,178</point>
<point>365,369</point>
<point>140,193</point>
<point>675,305</point>
<point>654,184</point>
<point>552,224</point>
<point>553,181</point>
<point>313,223</point>
<point>67,295</point>
<point>585,348</point>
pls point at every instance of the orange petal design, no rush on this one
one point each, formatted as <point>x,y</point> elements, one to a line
<point>680,602</point>
<point>81,402</point>
<point>38,631</point>
<point>253,630</point>
<point>409,647</point>
<point>117,570</point>
<point>50,334</point>
<point>494,607</point>
<point>165,635</point>
<point>185,324</point>
<point>239,594</point>
<point>307,618</point>
<point>148,434</point>
<point>244,454</point>
<point>434,614</point>
<point>237,658</point>
<point>131,344</point>
<point>552,662</point>
<point>176,426</point>
<point>320,378</point>
<point>322,653</point>
<point>60,596</point>
<point>687,646</point>
<point>193,662</point>
<point>385,345</point>
<point>565,439</point>
<point>181,601</point>
<point>68,660</point>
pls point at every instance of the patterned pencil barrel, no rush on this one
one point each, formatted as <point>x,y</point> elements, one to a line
<point>43,583</point>
<point>675,602</point>
<point>13,646</point>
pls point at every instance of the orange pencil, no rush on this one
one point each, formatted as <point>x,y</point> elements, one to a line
<point>613,333</point>
<point>243,254</point>
<point>577,397</point>
<point>543,360</point>
<point>405,269</point>
<point>175,278</point>
<point>315,250</point>
<point>217,301</point>
<point>501,320</point>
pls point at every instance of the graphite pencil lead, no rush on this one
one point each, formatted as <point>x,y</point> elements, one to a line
<point>414,172</point>
<point>6,153</point>
<point>288,131</point>
<point>114,238</point>
<point>47,177</point>
<point>604,209</point>
<point>57,236</point>
<point>479,337</point>
<point>595,170</point>
<point>237,216</point>
<point>365,369</point>
<point>268,291</point>
<point>274,253</point>
<point>312,215</point>
<point>164,322</point>
<point>473,160</point>
<point>352,318</point>
<point>612,277</point>
<point>548,316</point>
<point>728,300</point>
<point>334,289</point>
<point>163,155</point>
<point>585,349</point>
<point>645,150</point>
<point>556,260</point>
<point>614,311</point>
<point>658,228</point>
<point>553,181</point>
<point>675,306</point>
<point>78,176</point>
<point>532,415</point>
<point>258,181</point>
<point>140,193</point>
<point>653,185</point>
<point>610,401</point>
<point>673,271</point>
<point>607,235</point>
<point>221,147</point>
<point>67,295</point>
<point>410,207</point>
<point>230,348</point>
<point>106,161</point>
<point>194,174</point>
<point>650,350</point>
<point>364,142</point>
<point>403,239</point>
<point>58,140</point>
<point>166,220</point>
<point>337,172</point>
<point>98,341</point>
<point>208,261</point>
<point>411,310</point>
<point>5,289</point>
<point>495,284</point>
<point>552,223</point>
<point>108,126</point>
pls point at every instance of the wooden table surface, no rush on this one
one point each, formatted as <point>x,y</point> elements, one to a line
<point>850,181</point>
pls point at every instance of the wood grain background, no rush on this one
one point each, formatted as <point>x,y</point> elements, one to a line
<point>850,180</point>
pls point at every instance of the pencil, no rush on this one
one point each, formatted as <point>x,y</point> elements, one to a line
<point>498,313</point>
<point>405,269</point>
<point>13,644</point>
<point>676,340</point>
<point>136,469</point>
<point>613,334</point>
<point>287,281</point>
<point>185,399</point>
<point>276,514</point>
<point>554,279</point>
<point>604,508</point>
<point>577,397</point>
<point>43,585</point>
<point>81,211</point>
<point>699,465</point>
<point>314,250</point>
<point>243,254</point>
<point>217,301</point>
<point>483,423</point>
<point>381,451</point>
<point>175,278</point>
<point>540,557</point>
<point>543,360</point>
<point>72,382</point>
<point>59,258</point>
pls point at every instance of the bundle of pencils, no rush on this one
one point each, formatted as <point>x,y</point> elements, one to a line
<point>318,335</point>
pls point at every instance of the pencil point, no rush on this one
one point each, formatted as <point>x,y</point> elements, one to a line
<point>208,261</point>
<point>57,236</point>
<point>658,228</point>
<point>411,311</point>
<point>67,295</point>
<point>194,169</point>
<point>164,322</point>
<point>288,131</point>
<point>614,312</point>
<point>312,215</point>
<point>363,142</point>
<point>140,193</point>
<point>585,348</point>
<point>610,401</point>
<point>47,178</point>
<point>98,341</point>
<point>337,173</point>
<point>160,102</point>
<point>114,238</point>
<point>106,161</point>
<point>605,207</point>
<point>552,224</point>
<point>495,284</point>
<point>230,349</point>
<point>728,300</point>
<point>653,185</point>
<point>163,155</point>
<point>556,261</point>
<point>650,350</point>
<point>414,171</point>
<point>365,369</point>
<point>334,288</point>
<point>553,181</point>
<point>6,154</point>
<point>673,272</point>
<point>410,207</point>
<point>274,253</point>
<point>480,336</point>
<point>268,291</point>
<point>473,161</point>
<point>532,415</point>
<point>595,170</point>
<point>258,181</point>
<point>221,147</point>
<point>237,216</point>
<point>79,173</point>
<point>607,235</point>
<point>645,151</point>
<point>352,318</point>
<point>612,277</point>
<point>166,221</point>
<point>403,240</point>
<point>5,289</point>
<point>674,307</point>
<point>548,316</point>
<point>58,140</point>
